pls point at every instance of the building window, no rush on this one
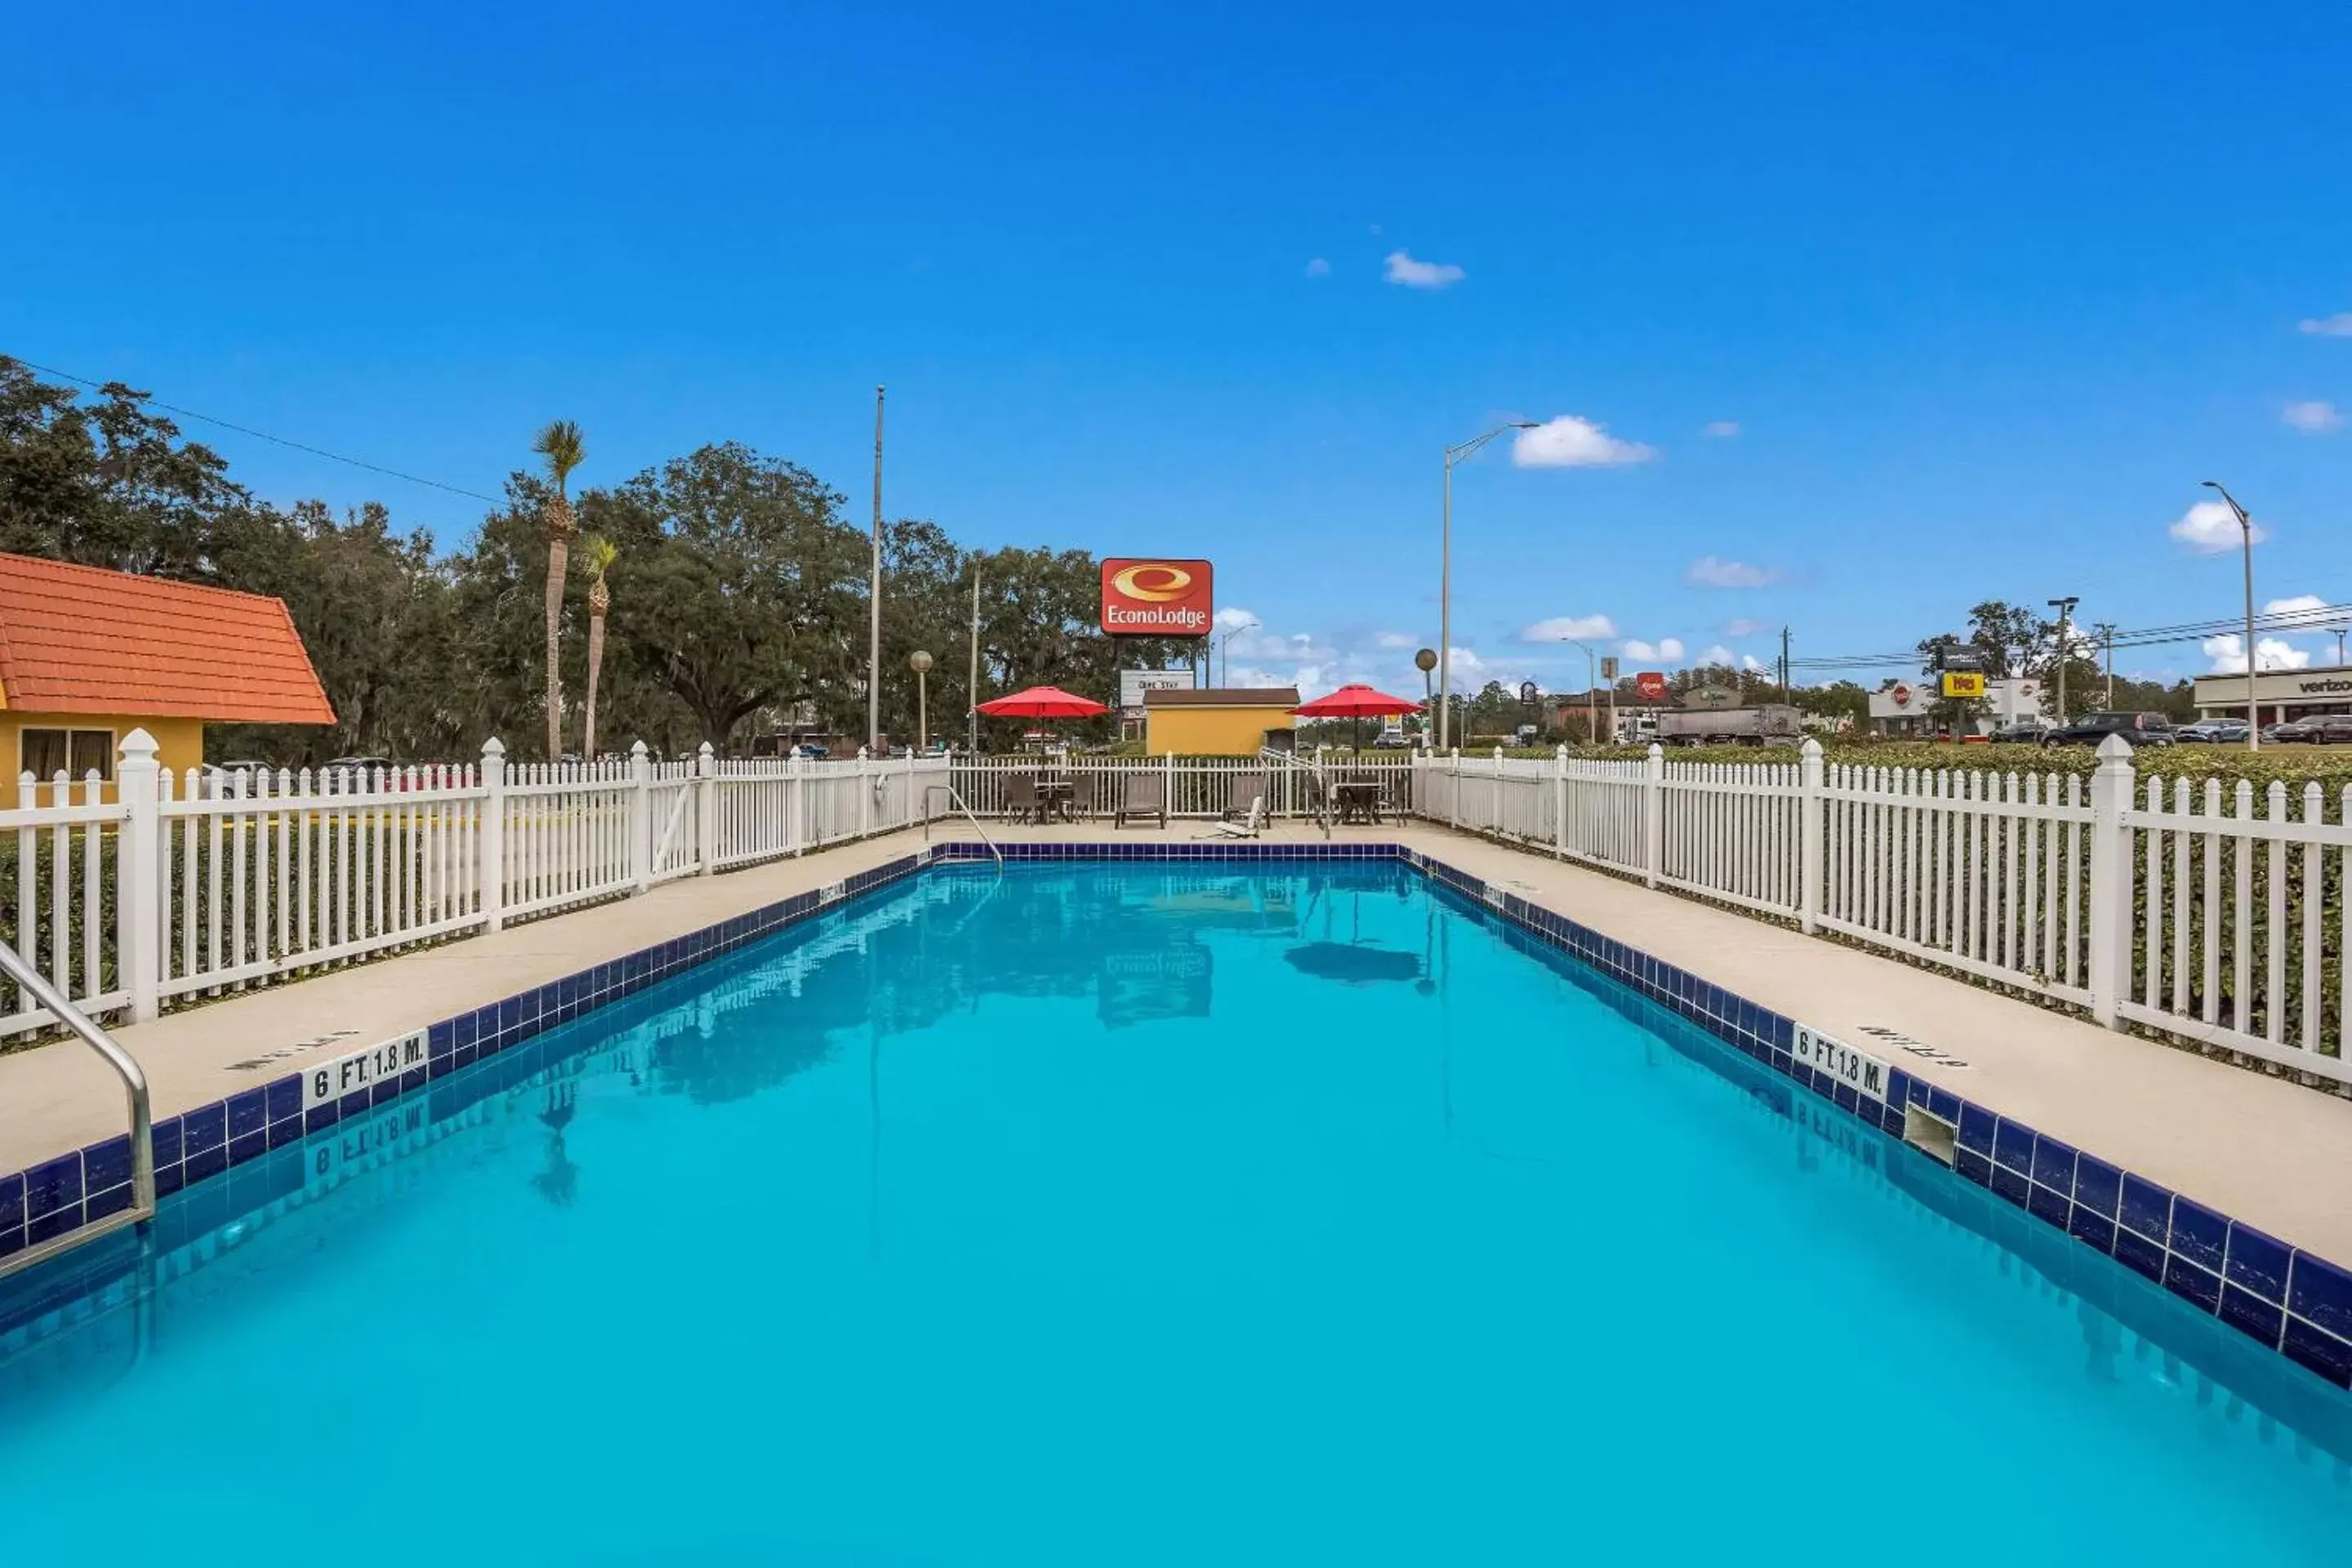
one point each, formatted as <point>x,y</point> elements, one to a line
<point>45,753</point>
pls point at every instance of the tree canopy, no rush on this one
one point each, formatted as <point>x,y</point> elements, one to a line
<point>739,592</point>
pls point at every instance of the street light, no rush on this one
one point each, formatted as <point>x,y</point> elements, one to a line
<point>1591,694</point>
<point>1453,455</point>
<point>2246,529</point>
<point>2064,608</point>
<point>1425,661</point>
<point>921,663</point>
<point>1225,654</point>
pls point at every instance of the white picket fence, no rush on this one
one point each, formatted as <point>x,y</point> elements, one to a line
<point>1194,787</point>
<point>2179,908</point>
<point>159,887</point>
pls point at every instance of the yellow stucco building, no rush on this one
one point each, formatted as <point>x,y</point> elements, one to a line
<point>88,655</point>
<point>1216,723</point>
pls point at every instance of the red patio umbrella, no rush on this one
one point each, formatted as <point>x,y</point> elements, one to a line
<point>1357,701</point>
<point>1042,702</point>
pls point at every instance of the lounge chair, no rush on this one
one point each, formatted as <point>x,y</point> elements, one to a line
<point>1246,798</point>
<point>1141,795</point>
<point>1249,826</point>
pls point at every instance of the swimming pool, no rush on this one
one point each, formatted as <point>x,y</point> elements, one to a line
<point>1275,1212</point>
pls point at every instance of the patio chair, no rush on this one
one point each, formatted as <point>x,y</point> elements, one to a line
<point>1142,796</point>
<point>1252,824</point>
<point>1020,803</point>
<point>1246,798</point>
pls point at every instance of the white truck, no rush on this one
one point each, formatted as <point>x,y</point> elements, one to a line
<point>1766,725</point>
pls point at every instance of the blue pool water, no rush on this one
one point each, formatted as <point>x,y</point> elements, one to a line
<point>1110,1214</point>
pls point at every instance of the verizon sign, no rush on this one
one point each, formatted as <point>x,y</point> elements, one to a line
<point>1157,598</point>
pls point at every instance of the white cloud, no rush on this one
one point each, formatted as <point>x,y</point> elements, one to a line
<point>1233,616</point>
<point>2339,325</point>
<point>1402,269</point>
<point>2228,653</point>
<point>1749,661</point>
<point>1573,442</point>
<point>1713,572</point>
<point>1725,427</point>
<point>2209,528</point>
<point>2312,418</point>
<point>1561,628</point>
<point>1666,649</point>
<point>1393,639</point>
<point>1318,267</point>
<point>2300,604</point>
<point>1717,654</point>
<point>1745,626</point>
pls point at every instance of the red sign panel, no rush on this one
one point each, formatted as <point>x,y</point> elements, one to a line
<point>1147,598</point>
<point>1651,686</point>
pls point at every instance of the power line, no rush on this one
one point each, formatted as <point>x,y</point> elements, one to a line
<point>279,440</point>
<point>2305,619</point>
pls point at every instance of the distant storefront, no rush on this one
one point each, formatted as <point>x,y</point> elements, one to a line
<point>1903,708</point>
<point>2279,693</point>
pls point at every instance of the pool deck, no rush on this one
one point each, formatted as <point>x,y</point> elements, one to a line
<point>2270,1152</point>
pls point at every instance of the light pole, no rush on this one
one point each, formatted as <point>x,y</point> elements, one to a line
<point>2246,529</point>
<point>1453,455</point>
<point>874,611</point>
<point>2106,632</point>
<point>1225,651</point>
<point>2339,632</point>
<point>921,663</point>
<point>1425,661</point>
<point>1591,694</point>
<point>2064,608</point>
<point>971,714</point>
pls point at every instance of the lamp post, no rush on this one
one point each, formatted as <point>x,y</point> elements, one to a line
<point>2064,608</point>
<point>2339,632</point>
<point>921,663</point>
<point>1224,653</point>
<point>1591,694</point>
<point>874,600</point>
<point>1454,454</point>
<point>2246,530</point>
<point>1425,661</point>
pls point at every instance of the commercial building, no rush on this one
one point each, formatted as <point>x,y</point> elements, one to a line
<point>1218,721</point>
<point>2279,693</point>
<point>88,655</point>
<point>1902,708</point>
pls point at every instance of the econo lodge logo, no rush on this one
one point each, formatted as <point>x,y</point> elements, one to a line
<point>1157,598</point>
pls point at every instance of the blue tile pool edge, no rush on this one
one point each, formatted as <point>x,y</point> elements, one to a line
<point>2287,1299</point>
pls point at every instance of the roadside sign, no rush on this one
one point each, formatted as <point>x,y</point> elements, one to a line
<point>1963,683</point>
<point>1608,668</point>
<point>1651,686</point>
<point>1528,693</point>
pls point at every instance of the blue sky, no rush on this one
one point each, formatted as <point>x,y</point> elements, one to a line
<point>1985,290</point>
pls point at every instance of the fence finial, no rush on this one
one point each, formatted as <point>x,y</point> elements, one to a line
<point>494,747</point>
<point>138,746</point>
<point>1811,750</point>
<point>636,748</point>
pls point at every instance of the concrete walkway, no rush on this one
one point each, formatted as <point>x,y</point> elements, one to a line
<point>2267,1152</point>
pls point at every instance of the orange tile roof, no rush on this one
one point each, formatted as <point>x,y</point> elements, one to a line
<point>81,639</point>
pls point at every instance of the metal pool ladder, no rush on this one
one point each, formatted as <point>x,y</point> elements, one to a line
<point>950,791</point>
<point>134,1087</point>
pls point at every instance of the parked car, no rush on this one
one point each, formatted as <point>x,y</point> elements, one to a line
<point>2212,732</point>
<point>2287,732</point>
<point>2091,729</point>
<point>2025,732</point>
<point>2328,730</point>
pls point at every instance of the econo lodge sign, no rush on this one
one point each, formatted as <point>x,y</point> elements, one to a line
<point>1157,598</point>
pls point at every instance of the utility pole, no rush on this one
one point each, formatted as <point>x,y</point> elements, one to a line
<point>1784,665</point>
<point>874,610</point>
<point>2106,632</point>
<point>972,739</point>
<point>2064,608</point>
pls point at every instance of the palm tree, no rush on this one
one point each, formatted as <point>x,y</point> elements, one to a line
<point>560,445</point>
<point>598,554</point>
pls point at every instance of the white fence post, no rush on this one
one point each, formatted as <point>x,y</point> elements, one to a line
<point>1454,765</point>
<point>706,811</point>
<point>493,855</point>
<point>2111,878</point>
<point>1653,815</point>
<point>138,864</point>
<point>864,793</point>
<point>1559,802</point>
<point>641,817</point>
<point>1808,834</point>
<point>796,833</point>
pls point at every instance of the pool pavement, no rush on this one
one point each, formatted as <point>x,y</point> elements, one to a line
<point>2267,1162</point>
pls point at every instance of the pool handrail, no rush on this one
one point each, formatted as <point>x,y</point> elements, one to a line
<point>135,1084</point>
<point>949,790</point>
<point>1318,795</point>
